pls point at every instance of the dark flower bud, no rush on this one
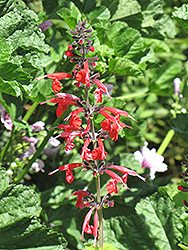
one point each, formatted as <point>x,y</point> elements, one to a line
<point>73,32</point>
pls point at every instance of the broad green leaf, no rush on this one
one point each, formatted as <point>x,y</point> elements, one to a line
<point>180,126</point>
<point>106,246</point>
<point>128,160</point>
<point>125,8</point>
<point>10,87</point>
<point>99,14</point>
<point>123,66</point>
<point>19,225</point>
<point>20,44</point>
<point>6,6</point>
<point>165,225</point>
<point>71,15</point>
<point>156,23</point>
<point>181,16</point>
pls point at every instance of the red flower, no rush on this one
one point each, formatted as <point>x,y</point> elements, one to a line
<point>116,111</point>
<point>68,168</point>
<point>98,95</point>
<point>99,153</point>
<point>83,75</point>
<point>56,86</point>
<point>128,171</point>
<point>63,101</point>
<point>80,195</point>
<point>111,187</point>
<point>86,152</point>
<point>73,113</point>
<point>86,228</point>
<point>91,229</point>
<point>112,124</point>
<point>102,87</point>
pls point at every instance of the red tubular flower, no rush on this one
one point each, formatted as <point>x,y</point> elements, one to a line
<point>80,194</point>
<point>111,187</point>
<point>116,111</point>
<point>73,113</point>
<point>86,152</point>
<point>98,95</point>
<point>56,86</point>
<point>102,87</point>
<point>112,124</point>
<point>62,104</point>
<point>86,228</point>
<point>83,75</point>
<point>68,168</point>
<point>128,171</point>
<point>91,48</point>
<point>99,153</point>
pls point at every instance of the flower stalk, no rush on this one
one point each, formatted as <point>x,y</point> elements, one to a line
<point>93,152</point>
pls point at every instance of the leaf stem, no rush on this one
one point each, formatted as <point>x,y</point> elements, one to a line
<point>166,142</point>
<point>30,111</point>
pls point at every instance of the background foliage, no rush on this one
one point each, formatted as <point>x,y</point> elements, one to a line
<point>142,46</point>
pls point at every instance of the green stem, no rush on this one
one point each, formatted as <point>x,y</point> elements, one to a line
<point>165,142</point>
<point>98,184</point>
<point>30,111</point>
<point>7,145</point>
<point>38,152</point>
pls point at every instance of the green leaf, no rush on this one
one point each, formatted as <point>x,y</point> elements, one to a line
<point>19,225</point>
<point>106,246</point>
<point>20,43</point>
<point>6,6</point>
<point>180,126</point>
<point>156,23</point>
<point>102,13</point>
<point>71,15</point>
<point>181,16</point>
<point>125,8</point>
<point>123,66</point>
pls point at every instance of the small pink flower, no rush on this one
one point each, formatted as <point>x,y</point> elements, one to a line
<point>38,126</point>
<point>150,159</point>
<point>45,25</point>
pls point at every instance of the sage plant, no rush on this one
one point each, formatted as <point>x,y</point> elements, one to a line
<point>93,152</point>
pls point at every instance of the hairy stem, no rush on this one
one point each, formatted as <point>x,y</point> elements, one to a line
<point>98,185</point>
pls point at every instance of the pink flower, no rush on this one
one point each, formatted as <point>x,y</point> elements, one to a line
<point>38,126</point>
<point>5,119</point>
<point>45,25</point>
<point>150,159</point>
<point>68,168</point>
